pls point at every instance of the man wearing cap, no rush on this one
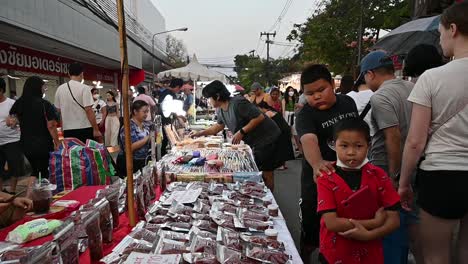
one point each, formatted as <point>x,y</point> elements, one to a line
<point>391,114</point>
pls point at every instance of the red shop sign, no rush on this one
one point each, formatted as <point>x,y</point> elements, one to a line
<point>28,60</point>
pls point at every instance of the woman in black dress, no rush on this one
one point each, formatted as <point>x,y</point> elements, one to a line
<point>38,123</point>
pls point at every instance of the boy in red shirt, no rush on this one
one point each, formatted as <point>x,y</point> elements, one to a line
<point>343,238</point>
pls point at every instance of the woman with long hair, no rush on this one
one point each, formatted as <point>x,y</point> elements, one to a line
<point>140,136</point>
<point>438,133</point>
<point>112,120</point>
<point>291,98</point>
<point>38,123</point>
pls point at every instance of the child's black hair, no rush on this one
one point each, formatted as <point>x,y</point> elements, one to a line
<point>314,73</point>
<point>352,124</point>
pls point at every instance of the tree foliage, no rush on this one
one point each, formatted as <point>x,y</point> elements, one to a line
<point>252,69</point>
<point>176,50</point>
<point>330,35</point>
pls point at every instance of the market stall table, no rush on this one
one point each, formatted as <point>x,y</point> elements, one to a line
<point>82,195</point>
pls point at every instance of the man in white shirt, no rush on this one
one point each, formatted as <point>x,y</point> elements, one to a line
<point>362,98</point>
<point>10,148</point>
<point>74,101</point>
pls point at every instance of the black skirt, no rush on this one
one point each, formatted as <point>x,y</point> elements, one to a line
<point>284,148</point>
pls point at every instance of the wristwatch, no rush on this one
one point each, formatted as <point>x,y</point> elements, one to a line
<point>242,132</point>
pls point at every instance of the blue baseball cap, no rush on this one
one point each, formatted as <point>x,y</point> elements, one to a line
<point>374,60</point>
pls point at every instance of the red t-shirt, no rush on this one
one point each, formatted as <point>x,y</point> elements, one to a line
<point>332,190</point>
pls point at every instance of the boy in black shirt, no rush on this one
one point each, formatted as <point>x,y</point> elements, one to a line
<point>314,125</point>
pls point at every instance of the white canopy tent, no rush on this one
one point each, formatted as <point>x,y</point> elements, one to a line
<point>193,71</point>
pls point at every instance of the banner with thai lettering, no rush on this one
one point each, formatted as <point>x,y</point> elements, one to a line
<point>28,60</point>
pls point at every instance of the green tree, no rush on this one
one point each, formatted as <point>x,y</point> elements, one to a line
<point>253,69</point>
<point>176,50</point>
<point>330,35</point>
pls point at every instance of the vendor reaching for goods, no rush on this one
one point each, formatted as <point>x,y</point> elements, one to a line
<point>13,208</point>
<point>247,124</point>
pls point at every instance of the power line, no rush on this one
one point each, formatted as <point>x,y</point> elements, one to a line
<point>282,14</point>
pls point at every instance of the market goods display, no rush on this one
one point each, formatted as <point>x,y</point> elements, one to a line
<point>207,223</point>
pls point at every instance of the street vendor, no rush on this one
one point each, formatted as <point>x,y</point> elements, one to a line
<point>140,137</point>
<point>247,124</point>
<point>12,208</point>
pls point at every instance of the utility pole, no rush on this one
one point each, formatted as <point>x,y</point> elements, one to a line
<point>268,42</point>
<point>360,33</point>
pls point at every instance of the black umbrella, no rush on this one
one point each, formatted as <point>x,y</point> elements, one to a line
<point>402,39</point>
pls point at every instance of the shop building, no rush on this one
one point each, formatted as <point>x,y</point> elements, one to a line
<point>42,37</point>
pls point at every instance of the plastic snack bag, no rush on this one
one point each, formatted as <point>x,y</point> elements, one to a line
<point>32,230</point>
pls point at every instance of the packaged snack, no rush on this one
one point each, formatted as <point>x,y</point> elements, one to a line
<point>32,230</point>
<point>198,185</point>
<point>15,254</point>
<point>140,199</point>
<point>178,226</point>
<point>264,241</point>
<point>143,234</point>
<point>201,207</point>
<point>158,209</point>
<point>141,258</point>
<point>69,205</point>
<point>197,216</point>
<point>256,208</point>
<point>206,225</point>
<point>230,239</point>
<point>267,255</point>
<point>93,231</point>
<point>224,207</point>
<point>181,218</point>
<point>167,246</point>
<point>178,208</point>
<point>112,195</point>
<point>177,186</point>
<point>148,226</point>
<point>42,254</point>
<point>105,220</point>
<point>7,246</point>
<point>227,255</point>
<point>139,246</point>
<point>195,231</point>
<point>203,245</point>
<point>67,242</point>
<point>219,178</point>
<point>255,225</point>
<point>176,236</point>
<point>158,219</point>
<point>244,213</point>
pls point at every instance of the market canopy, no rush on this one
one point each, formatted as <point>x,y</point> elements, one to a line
<point>193,71</point>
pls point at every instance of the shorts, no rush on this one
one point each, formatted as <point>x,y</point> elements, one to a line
<point>310,219</point>
<point>82,134</point>
<point>265,157</point>
<point>11,154</point>
<point>443,193</point>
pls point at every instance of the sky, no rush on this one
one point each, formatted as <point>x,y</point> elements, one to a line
<point>221,29</point>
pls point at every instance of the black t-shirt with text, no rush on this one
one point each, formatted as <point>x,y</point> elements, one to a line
<point>321,123</point>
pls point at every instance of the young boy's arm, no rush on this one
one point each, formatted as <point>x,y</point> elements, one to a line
<point>339,224</point>
<point>314,157</point>
<point>359,232</point>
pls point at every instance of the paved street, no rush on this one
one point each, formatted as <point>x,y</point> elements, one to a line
<point>287,193</point>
